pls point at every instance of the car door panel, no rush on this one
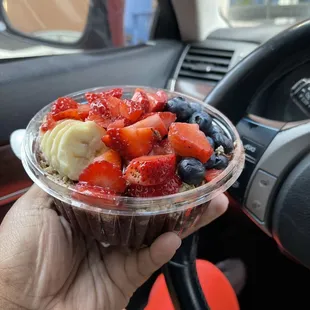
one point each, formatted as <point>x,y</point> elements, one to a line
<point>28,85</point>
<point>13,178</point>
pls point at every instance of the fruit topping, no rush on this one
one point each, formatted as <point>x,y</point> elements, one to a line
<point>141,97</point>
<point>96,117</point>
<point>211,162</point>
<point>162,148</point>
<point>131,142</point>
<point>48,123</point>
<point>211,142</point>
<point>131,110</point>
<point>105,175</point>
<point>214,130</point>
<point>188,141</point>
<point>83,110</point>
<point>181,107</point>
<point>196,107</point>
<point>191,171</point>
<point>221,162</point>
<point>67,114</point>
<point>218,162</point>
<point>71,145</point>
<point>93,190</point>
<point>203,120</point>
<point>146,146</point>
<point>153,121</point>
<point>120,123</point>
<point>212,174</point>
<point>150,170</point>
<point>113,105</point>
<point>157,101</point>
<point>100,106</point>
<point>112,157</point>
<point>168,118</point>
<point>116,93</point>
<point>222,140</point>
<point>171,186</point>
<point>63,104</point>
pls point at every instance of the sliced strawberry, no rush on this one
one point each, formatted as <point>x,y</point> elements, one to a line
<point>93,190</point>
<point>83,110</point>
<point>93,195</point>
<point>157,101</point>
<point>153,121</point>
<point>187,140</point>
<point>49,123</point>
<point>131,142</point>
<point>150,170</point>
<point>212,174</point>
<point>143,116</point>
<point>162,95</point>
<point>70,114</point>
<point>112,157</point>
<point>98,119</point>
<point>114,104</point>
<point>141,97</point>
<point>63,104</point>
<point>116,92</point>
<point>171,186</point>
<point>131,110</point>
<point>162,148</point>
<point>120,123</point>
<point>105,175</point>
<point>168,118</point>
<point>101,107</point>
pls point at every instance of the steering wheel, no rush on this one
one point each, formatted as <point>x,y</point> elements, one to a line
<point>274,188</point>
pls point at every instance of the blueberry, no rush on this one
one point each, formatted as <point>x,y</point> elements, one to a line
<point>221,162</point>
<point>181,107</point>
<point>196,107</point>
<point>222,140</point>
<point>211,162</point>
<point>191,171</point>
<point>203,119</point>
<point>214,130</point>
<point>211,142</point>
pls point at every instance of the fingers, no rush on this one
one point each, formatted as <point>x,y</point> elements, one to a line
<point>216,208</point>
<point>141,265</point>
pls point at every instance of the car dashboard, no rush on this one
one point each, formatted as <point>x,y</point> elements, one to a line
<point>202,65</point>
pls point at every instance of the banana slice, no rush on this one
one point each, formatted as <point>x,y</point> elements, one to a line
<point>48,139</point>
<point>71,146</point>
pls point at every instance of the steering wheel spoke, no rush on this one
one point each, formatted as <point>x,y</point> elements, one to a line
<point>281,146</point>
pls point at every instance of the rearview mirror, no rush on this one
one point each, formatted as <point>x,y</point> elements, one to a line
<point>54,21</point>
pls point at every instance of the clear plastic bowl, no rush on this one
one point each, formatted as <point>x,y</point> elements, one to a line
<point>126,221</point>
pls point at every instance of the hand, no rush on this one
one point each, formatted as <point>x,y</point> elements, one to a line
<point>44,266</point>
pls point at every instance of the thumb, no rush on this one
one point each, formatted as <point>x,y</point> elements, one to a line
<point>143,264</point>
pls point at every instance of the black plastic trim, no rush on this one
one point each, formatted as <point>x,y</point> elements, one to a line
<point>181,277</point>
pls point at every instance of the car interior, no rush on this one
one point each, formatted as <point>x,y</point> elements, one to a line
<point>256,75</point>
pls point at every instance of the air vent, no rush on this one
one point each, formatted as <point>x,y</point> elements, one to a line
<point>206,64</point>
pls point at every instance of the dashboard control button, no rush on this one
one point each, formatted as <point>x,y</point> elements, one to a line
<point>237,190</point>
<point>252,149</point>
<point>300,94</point>
<point>261,188</point>
<point>256,132</point>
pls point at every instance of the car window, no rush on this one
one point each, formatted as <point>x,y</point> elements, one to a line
<point>253,13</point>
<point>129,23</point>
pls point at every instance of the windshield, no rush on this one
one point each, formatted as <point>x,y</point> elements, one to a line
<point>252,13</point>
